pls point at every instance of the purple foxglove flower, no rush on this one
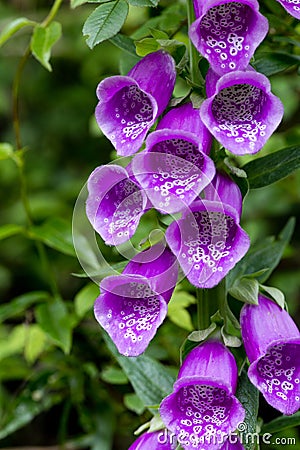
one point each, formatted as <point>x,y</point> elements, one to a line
<point>157,440</point>
<point>115,203</point>
<point>292,7</point>
<point>129,105</point>
<point>227,33</point>
<point>272,343</point>
<point>224,189</point>
<point>133,304</point>
<point>242,113</point>
<point>173,170</point>
<point>207,241</point>
<point>203,409</point>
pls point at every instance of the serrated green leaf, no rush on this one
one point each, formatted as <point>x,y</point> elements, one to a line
<point>105,21</point>
<point>75,3</point>
<point>54,319</point>
<point>275,293</point>
<point>6,150</point>
<point>19,304</point>
<point>275,62</point>
<point>270,168</point>
<point>10,230</point>
<point>246,290</point>
<point>281,423</point>
<point>56,233</point>
<point>248,395</point>
<point>113,375</point>
<point>125,43</point>
<point>134,403</point>
<point>150,380</point>
<point>10,29</point>
<point>85,298</point>
<point>143,2</point>
<point>42,41</point>
<point>265,254</point>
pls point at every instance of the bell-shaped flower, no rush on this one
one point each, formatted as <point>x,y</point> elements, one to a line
<point>174,167</point>
<point>223,189</point>
<point>292,7</point>
<point>115,203</point>
<point>202,409</point>
<point>129,105</point>
<point>242,113</point>
<point>207,241</point>
<point>155,440</point>
<point>272,343</point>
<point>133,304</point>
<point>227,33</point>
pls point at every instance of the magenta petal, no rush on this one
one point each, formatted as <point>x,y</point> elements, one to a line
<point>227,34</point>
<point>130,311</point>
<point>129,105</point>
<point>223,189</point>
<point>202,410</point>
<point>158,440</point>
<point>172,170</point>
<point>114,204</point>
<point>243,113</point>
<point>208,242</point>
<point>272,343</point>
<point>186,118</point>
<point>292,7</point>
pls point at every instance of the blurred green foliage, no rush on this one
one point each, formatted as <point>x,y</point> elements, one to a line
<point>59,383</point>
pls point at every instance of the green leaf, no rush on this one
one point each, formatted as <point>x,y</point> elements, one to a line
<point>85,298</point>
<point>265,254</point>
<point>146,46</point>
<point>35,343</point>
<point>75,3</point>
<point>281,423</point>
<point>124,43</point>
<point>42,41</point>
<point>248,395</point>
<point>14,26</point>
<point>150,380</point>
<point>134,403</point>
<point>10,230</point>
<point>6,150</point>
<point>275,62</point>
<point>105,22</point>
<point>270,168</point>
<point>176,309</point>
<point>144,2</point>
<point>56,233</point>
<point>113,375</point>
<point>19,304</point>
<point>246,290</point>
<point>54,319</point>
<point>275,293</point>
<point>14,342</point>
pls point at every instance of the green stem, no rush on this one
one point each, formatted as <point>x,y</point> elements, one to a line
<point>203,309</point>
<point>195,74</point>
<point>52,13</point>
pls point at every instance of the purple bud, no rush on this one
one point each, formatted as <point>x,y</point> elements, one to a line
<point>228,33</point>
<point>242,113</point>
<point>203,410</point>
<point>272,343</point>
<point>129,105</point>
<point>223,189</point>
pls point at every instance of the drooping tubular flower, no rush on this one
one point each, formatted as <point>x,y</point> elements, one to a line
<point>292,7</point>
<point>115,203</point>
<point>208,240</point>
<point>242,113</point>
<point>129,105</point>
<point>272,343</point>
<point>174,167</point>
<point>133,304</point>
<point>203,410</point>
<point>157,440</point>
<point>227,33</point>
